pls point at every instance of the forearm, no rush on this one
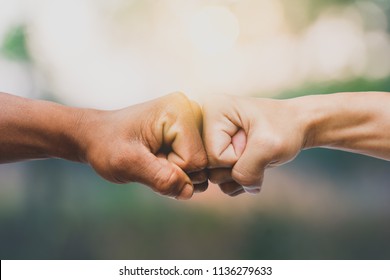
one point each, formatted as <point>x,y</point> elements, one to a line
<point>32,129</point>
<point>356,122</point>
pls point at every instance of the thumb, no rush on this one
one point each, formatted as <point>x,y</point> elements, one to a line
<point>249,169</point>
<point>164,177</point>
<point>239,142</point>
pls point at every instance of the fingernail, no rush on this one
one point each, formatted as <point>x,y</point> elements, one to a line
<point>186,192</point>
<point>252,190</point>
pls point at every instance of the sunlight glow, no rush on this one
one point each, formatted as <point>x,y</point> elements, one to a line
<point>214,29</point>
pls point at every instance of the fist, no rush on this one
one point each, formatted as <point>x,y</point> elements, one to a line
<point>157,143</point>
<point>244,136</point>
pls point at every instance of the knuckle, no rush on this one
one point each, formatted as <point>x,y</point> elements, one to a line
<point>245,178</point>
<point>202,162</point>
<point>220,176</point>
<point>172,104</point>
<point>187,165</point>
<point>178,97</point>
<point>198,177</point>
<point>214,179</point>
<point>196,161</point>
<point>166,183</point>
<point>170,114</point>
<point>212,158</point>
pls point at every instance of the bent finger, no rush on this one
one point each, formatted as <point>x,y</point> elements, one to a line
<point>198,188</point>
<point>231,188</point>
<point>198,177</point>
<point>161,175</point>
<point>220,175</point>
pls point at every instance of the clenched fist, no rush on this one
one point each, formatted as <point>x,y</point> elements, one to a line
<point>157,143</point>
<point>244,136</point>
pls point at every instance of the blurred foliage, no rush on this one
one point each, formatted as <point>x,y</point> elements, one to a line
<point>14,46</point>
<point>301,13</point>
<point>355,85</point>
<point>84,217</point>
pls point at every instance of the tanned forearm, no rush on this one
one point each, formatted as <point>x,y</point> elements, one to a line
<point>33,129</point>
<point>120,145</point>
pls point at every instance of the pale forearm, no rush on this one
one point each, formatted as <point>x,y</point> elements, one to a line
<point>32,129</point>
<point>250,135</point>
<point>356,122</point>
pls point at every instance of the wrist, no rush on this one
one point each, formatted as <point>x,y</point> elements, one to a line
<point>61,129</point>
<point>302,120</point>
<point>80,133</point>
<point>311,118</point>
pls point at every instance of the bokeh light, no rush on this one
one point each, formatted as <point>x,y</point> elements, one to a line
<point>214,30</point>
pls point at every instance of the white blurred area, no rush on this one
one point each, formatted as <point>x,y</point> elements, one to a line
<point>110,54</point>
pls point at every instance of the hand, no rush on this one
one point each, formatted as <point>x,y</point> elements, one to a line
<point>156,143</point>
<point>244,136</point>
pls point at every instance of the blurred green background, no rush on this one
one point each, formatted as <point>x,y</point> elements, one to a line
<point>108,54</point>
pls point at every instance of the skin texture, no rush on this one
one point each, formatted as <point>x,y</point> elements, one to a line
<point>157,143</point>
<point>245,136</point>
